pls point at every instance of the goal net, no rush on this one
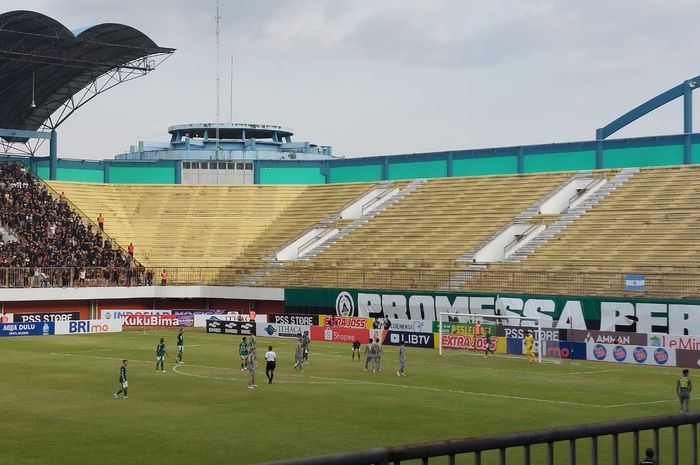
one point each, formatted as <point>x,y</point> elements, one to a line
<point>467,331</point>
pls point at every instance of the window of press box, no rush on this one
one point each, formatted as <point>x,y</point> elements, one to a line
<point>248,166</point>
<point>185,165</point>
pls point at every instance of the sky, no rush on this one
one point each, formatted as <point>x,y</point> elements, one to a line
<point>377,77</point>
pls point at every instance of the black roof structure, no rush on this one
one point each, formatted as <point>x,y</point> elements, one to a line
<point>44,67</point>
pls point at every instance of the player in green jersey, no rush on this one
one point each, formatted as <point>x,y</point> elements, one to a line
<point>123,383</point>
<point>487,343</point>
<point>160,355</point>
<point>180,345</point>
<point>243,353</point>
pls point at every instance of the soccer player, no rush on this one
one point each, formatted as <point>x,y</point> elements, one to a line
<point>243,353</point>
<point>683,388</point>
<point>160,355</point>
<point>377,348</point>
<point>123,383</point>
<point>299,354</point>
<point>252,362</point>
<point>306,340</point>
<point>369,355</point>
<point>180,345</point>
<point>356,349</point>
<point>529,344</point>
<point>271,359</point>
<point>487,341</point>
<point>402,360</point>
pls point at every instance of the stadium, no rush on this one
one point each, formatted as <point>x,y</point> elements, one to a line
<point>401,296</point>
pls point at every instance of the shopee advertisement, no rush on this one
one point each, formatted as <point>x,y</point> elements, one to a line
<point>338,334</point>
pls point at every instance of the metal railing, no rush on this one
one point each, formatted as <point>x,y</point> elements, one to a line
<point>624,436</point>
<point>667,284</point>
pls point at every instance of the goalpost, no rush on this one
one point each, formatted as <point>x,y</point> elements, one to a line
<point>479,321</point>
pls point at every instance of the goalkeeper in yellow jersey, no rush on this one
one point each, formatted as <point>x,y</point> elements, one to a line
<point>529,346</point>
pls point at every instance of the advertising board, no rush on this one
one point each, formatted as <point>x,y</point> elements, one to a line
<point>200,320</point>
<point>292,319</point>
<point>667,316</point>
<point>26,329</point>
<point>410,339</point>
<point>469,342</point>
<point>674,342</point>
<point>236,328</point>
<point>106,314</point>
<point>149,319</point>
<point>44,317</point>
<point>88,326</point>
<point>345,321</point>
<point>282,330</point>
<point>688,358</point>
<point>640,355</point>
<point>339,334</point>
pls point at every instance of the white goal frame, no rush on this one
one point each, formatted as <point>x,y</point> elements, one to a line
<point>481,317</point>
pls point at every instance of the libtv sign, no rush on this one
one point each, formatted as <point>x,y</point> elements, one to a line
<point>562,312</point>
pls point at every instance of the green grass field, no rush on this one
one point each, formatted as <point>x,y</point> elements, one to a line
<point>57,405</point>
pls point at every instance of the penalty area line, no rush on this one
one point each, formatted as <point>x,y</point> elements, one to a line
<point>459,391</point>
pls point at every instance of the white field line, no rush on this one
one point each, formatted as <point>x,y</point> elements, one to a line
<point>329,380</point>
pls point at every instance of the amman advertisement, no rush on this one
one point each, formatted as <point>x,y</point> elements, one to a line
<point>562,312</point>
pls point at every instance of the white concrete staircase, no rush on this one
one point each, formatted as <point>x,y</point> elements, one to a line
<point>572,214</point>
<point>364,216</point>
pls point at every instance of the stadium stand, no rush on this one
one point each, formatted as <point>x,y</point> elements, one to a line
<point>219,227</point>
<point>428,229</point>
<point>650,226</point>
<point>50,243</point>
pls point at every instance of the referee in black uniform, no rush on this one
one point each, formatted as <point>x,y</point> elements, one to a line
<point>271,359</point>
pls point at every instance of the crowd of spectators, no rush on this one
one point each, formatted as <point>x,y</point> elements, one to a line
<point>54,247</point>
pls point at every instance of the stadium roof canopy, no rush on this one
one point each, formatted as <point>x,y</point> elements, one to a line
<point>47,72</point>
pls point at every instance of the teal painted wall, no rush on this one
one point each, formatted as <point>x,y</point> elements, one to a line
<point>485,166</point>
<point>42,172</point>
<point>418,169</point>
<point>695,154</point>
<point>300,175</point>
<point>361,173</point>
<point>80,175</point>
<point>541,162</point>
<point>141,174</point>
<point>643,156</point>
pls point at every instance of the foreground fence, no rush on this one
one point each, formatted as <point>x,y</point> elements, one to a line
<point>675,284</point>
<point>518,447</point>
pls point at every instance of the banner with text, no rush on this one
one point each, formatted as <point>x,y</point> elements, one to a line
<point>236,328</point>
<point>640,355</point>
<point>88,327</point>
<point>665,316</point>
<point>44,317</point>
<point>291,319</point>
<point>339,334</point>
<point>26,329</point>
<point>281,330</point>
